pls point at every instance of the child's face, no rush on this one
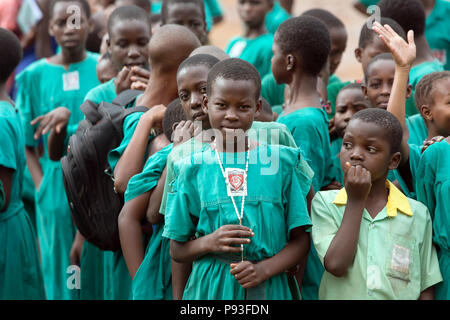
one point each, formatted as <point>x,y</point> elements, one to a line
<point>338,45</point>
<point>128,43</point>
<point>348,102</point>
<point>105,70</point>
<point>374,48</point>
<point>440,109</point>
<point>253,12</point>
<point>190,16</point>
<point>231,107</point>
<point>191,83</point>
<point>366,144</point>
<point>379,80</point>
<point>278,64</point>
<point>68,34</point>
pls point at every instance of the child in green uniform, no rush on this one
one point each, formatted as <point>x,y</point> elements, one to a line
<point>20,273</point>
<point>436,27</point>
<point>255,45</point>
<point>106,70</point>
<point>301,49</point>
<point>349,101</point>
<point>275,17</point>
<point>374,242</point>
<point>40,97</point>
<point>411,16</point>
<point>190,13</point>
<point>232,99</point>
<point>433,189</point>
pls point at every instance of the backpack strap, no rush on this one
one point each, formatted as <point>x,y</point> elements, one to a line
<point>90,110</point>
<point>126,97</point>
<point>128,111</point>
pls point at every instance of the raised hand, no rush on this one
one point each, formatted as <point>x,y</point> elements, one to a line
<point>404,53</point>
<point>56,119</point>
<point>357,181</point>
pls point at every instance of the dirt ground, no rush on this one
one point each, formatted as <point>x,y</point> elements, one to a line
<point>348,69</point>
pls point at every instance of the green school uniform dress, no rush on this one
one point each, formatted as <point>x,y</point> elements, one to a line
<point>20,271</point>
<point>309,127</point>
<point>416,73</point>
<point>153,280</point>
<point>275,17</point>
<point>417,128</point>
<point>271,91</point>
<point>118,284</point>
<point>103,92</point>
<point>275,204</point>
<point>335,149</point>
<point>433,189</point>
<point>257,51</point>
<point>395,257</point>
<point>436,32</point>
<point>43,87</point>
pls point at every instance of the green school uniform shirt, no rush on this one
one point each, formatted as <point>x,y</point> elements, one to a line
<point>275,17</point>
<point>395,257</point>
<point>335,150</point>
<point>436,32</point>
<point>271,91</point>
<point>417,128</point>
<point>423,69</point>
<point>264,132</point>
<point>42,87</point>
<point>275,204</point>
<point>368,3</point>
<point>257,51</point>
<point>433,189</point>
<point>20,271</point>
<point>153,280</point>
<point>103,92</point>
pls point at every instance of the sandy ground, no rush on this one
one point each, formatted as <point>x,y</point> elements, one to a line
<point>343,9</point>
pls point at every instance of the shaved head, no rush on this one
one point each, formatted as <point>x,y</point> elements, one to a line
<point>170,45</point>
<point>211,50</point>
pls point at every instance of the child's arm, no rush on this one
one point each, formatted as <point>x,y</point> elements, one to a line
<point>250,274</point>
<point>132,160</point>
<point>180,276</point>
<point>56,122</point>
<point>153,215</point>
<point>33,165</point>
<point>6,175</point>
<point>130,231</point>
<point>404,55</point>
<point>77,248</point>
<point>218,241</point>
<point>341,252</point>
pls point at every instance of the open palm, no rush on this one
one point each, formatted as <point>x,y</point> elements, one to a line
<point>404,53</point>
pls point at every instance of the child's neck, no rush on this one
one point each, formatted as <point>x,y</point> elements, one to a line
<point>303,93</point>
<point>432,130</point>
<point>66,58</point>
<point>243,145</point>
<point>4,95</point>
<point>423,51</point>
<point>161,89</point>
<point>378,197</point>
<point>254,32</point>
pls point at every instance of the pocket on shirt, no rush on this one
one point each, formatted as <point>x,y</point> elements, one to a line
<point>400,257</point>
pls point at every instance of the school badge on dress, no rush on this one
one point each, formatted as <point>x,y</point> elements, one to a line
<point>237,184</point>
<point>71,81</point>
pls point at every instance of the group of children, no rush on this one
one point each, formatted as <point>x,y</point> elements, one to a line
<point>256,173</point>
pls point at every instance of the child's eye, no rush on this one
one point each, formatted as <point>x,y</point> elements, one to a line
<point>183,96</point>
<point>203,90</point>
<point>347,145</point>
<point>374,85</point>
<point>372,149</point>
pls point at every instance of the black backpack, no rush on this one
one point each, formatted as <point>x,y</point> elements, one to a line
<point>88,179</point>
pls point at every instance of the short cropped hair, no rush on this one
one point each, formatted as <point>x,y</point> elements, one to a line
<point>367,35</point>
<point>165,4</point>
<point>10,57</point>
<point>234,69</point>
<point>144,4</point>
<point>128,13</point>
<point>330,20</point>
<point>206,60</point>
<point>410,14</point>
<point>378,57</point>
<point>308,37</point>
<point>84,5</point>
<point>386,121</point>
<point>174,113</point>
<point>350,86</point>
<point>425,87</point>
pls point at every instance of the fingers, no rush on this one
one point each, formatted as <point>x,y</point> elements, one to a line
<point>410,37</point>
<point>140,72</point>
<point>139,86</point>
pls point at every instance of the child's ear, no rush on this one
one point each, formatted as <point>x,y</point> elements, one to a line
<point>91,26</point>
<point>408,91</point>
<point>290,62</point>
<point>425,111</point>
<point>358,53</point>
<point>258,107</point>
<point>395,161</point>
<point>364,90</point>
<point>205,104</point>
